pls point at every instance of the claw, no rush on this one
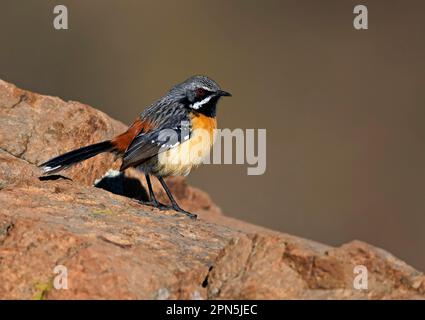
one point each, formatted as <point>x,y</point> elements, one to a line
<point>164,207</point>
<point>187,213</point>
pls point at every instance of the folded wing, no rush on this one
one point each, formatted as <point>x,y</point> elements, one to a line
<point>149,144</point>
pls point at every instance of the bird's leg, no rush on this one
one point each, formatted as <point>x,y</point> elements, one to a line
<point>152,197</point>
<point>174,204</point>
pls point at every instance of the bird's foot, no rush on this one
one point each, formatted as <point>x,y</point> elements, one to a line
<point>187,213</point>
<point>164,207</point>
<point>154,204</point>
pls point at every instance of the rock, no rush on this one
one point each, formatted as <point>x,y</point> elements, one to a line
<point>115,248</point>
<point>35,128</point>
<point>269,267</point>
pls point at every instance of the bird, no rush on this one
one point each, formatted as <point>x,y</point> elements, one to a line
<point>169,138</point>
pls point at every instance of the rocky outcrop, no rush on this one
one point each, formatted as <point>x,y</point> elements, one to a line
<point>115,248</point>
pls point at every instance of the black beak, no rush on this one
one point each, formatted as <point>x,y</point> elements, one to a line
<point>222,93</point>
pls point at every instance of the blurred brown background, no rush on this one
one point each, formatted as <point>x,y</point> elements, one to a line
<point>344,109</point>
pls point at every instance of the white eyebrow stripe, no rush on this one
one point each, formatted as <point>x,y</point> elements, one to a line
<point>199,104</point>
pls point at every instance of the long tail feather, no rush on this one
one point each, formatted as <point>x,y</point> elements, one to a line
<point>68,159</point>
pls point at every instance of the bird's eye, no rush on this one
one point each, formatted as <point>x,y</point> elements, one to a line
<point>201,92</point>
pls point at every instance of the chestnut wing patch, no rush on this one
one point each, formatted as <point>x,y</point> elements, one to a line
<point>123,141</point>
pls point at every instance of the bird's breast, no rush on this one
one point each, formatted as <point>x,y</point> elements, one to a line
<point>190,153</point>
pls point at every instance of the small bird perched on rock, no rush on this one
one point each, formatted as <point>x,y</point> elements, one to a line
<point>169,138</point>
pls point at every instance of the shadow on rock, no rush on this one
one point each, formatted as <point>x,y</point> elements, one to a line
<point>53,177</point>
<point>122,185</point>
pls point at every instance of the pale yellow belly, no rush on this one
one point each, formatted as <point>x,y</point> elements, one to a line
<point>180,160</point>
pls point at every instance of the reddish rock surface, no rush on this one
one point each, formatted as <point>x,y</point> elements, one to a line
<point>115,248</point>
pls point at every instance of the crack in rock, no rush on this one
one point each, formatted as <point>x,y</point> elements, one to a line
<point>6,228</point>
<point>23,97</point>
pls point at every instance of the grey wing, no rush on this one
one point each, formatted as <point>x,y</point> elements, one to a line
<point>149,144</point>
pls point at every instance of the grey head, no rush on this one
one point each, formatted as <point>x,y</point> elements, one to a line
<point>199,93</point>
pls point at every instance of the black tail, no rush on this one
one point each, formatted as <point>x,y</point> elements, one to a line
<point>68,159</point>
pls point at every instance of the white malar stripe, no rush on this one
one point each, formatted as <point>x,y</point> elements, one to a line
<point>199,104</point>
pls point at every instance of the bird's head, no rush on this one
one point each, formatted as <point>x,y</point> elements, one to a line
<point>199,93</point>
